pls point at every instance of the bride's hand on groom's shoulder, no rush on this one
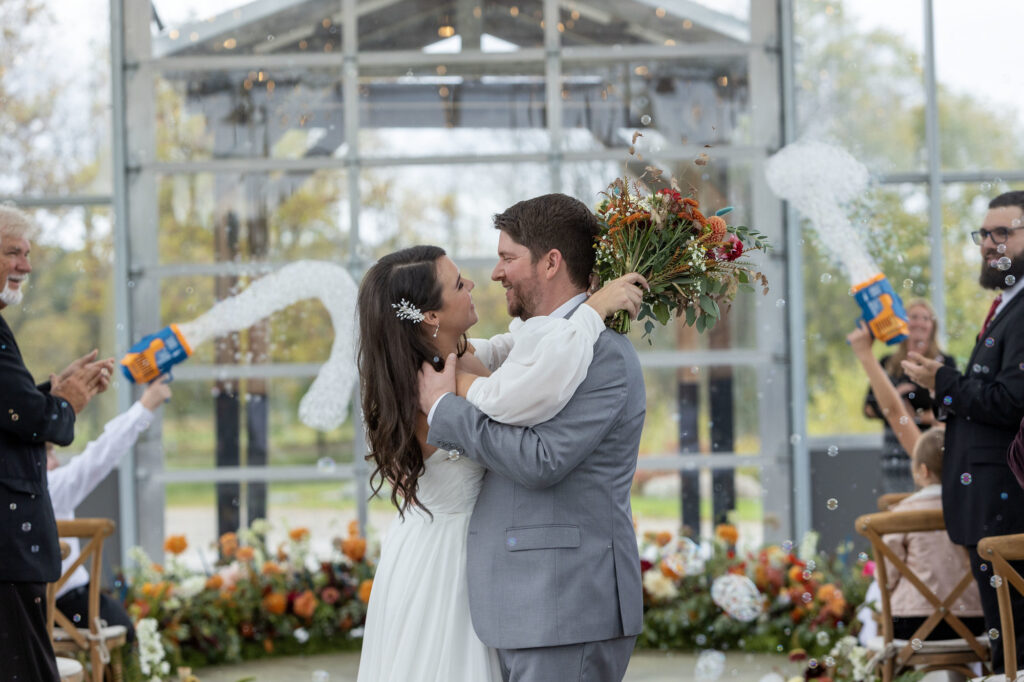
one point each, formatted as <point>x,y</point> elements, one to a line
<point>623,293</point>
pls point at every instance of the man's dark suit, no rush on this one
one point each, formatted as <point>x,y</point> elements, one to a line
<point>29,549</point>
<point>983,409</point>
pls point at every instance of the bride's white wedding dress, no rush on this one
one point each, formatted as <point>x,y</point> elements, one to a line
<point>418,627</point>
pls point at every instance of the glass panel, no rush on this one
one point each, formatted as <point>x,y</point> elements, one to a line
<point>324,508</point>
<point>227,27</point>
<point>68,305</point>
<point>700,410</point>
<point>693,102</point>
<point>485,25</point>
<point>206,218</point>
<point>651,23</point>
<point>963,209</point>
<point>55,121</point>
<point>450,206</point>
<point>894,228</point>
<point>452,110</point>
<point>859,80</point>
<point>253,113</point>
<point>980,111</point>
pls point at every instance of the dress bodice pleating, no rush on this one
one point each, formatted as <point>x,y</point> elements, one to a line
<point>449,485</point>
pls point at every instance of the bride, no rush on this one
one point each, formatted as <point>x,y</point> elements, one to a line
<point>415,307</point>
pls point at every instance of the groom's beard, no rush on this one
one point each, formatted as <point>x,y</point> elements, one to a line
<point>11,296</point>
<point>994,278</point>
<point>522,301</point>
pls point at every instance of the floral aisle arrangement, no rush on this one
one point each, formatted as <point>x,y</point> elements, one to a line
<point>693,263</point>
<point>255,601</point>
<point>777,599</point>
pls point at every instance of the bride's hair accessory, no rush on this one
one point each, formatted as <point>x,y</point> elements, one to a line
<point>407,311</point>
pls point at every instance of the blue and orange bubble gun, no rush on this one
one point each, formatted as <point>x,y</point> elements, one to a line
<point>155,354</point>
<point>883,309</point>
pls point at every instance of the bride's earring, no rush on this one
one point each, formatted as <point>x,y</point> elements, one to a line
<point>437,327</point>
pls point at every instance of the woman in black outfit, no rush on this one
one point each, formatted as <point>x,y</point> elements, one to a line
<point>896,475</point>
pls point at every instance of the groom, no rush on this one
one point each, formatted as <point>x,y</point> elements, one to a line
<point>554,572</point>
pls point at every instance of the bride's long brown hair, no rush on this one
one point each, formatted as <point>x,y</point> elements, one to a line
<point>391,352</point>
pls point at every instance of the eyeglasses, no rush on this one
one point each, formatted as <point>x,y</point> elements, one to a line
<point>998,235</point>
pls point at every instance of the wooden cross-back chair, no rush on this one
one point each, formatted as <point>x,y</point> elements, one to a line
<point>95,638</point>
<point>897,655</point>
<point>1000,550</point>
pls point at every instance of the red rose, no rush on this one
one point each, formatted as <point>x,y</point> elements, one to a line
<point>645,565</point>
<point>732,250</point>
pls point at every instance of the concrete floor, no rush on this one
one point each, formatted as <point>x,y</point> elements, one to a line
<point>645,666</point>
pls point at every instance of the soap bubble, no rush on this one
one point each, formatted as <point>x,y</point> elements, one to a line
<point>1003,263</point>
<point>326,465</point>
<point>965,478</point>
<point>1010,280</point>
<point>832,504</point>
<point>993,634</point>
<point>995,581</point>
<point>737,596</point>
<point>825,278</point>
<point>833,450</point>
<point>710,666</point>
<point>916,644</point>
<point>645,119</point>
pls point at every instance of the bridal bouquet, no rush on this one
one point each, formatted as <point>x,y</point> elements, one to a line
<point>692,262</point>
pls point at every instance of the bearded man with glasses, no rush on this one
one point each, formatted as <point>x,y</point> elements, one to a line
<point>983,408</point>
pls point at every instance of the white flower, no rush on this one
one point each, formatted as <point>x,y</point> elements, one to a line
<point>301,635</point>
<point>822,638</point>
<point>808,546</point>
<point>190,587</point>
<point>260,526</point>
<point>660,587</point>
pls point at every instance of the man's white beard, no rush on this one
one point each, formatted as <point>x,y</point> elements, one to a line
<point>11,296</point>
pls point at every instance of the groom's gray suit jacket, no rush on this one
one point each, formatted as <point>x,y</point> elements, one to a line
<point>552,553</point>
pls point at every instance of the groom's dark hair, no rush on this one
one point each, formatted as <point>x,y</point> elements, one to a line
<point>554,221</point>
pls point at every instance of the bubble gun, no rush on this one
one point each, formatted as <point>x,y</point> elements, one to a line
<point>155,354</point>
<point>883,309</point>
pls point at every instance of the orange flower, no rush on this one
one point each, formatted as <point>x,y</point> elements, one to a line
<point>727,533</point>
<point>268,646</point>
<point>298,534</point>
<point>672,567</point>
<point>346,623</point>
<point>245,553</point>
<point>718,227</point>
<point>175,544</point>
<point>796,574</point>
<point>228,544</point>
<point>271,568</point>
<point>282,555</point>
<point>214,582</point>
<point>275,603</point>
<point>663,538</point>
<point>354,548</point>
<point>158,568</point>
<point>826,592</point>
<point>304,605</point>
<point>364,591</point>
<point>353,527</point>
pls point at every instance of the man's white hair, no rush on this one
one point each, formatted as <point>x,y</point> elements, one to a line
<point>14,223</point>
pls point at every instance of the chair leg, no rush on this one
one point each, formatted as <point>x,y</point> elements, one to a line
<point>116,668</point>
<point>97,663</point>
<point>888,670</point>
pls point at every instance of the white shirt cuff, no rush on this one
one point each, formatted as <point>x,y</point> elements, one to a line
<point>430,415</point>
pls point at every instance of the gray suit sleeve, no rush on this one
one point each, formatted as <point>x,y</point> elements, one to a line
<point>536,456</point>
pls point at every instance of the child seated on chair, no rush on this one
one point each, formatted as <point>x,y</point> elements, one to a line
<point>71,483</point>
<point>929,555</point>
